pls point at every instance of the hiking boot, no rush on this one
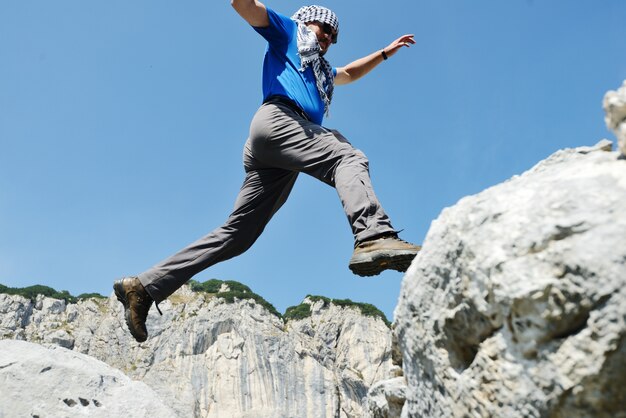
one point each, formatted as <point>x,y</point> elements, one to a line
<point>136,303</point>
<point>389,252</point>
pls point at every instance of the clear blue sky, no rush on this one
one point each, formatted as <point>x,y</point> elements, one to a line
<point>122,125</point>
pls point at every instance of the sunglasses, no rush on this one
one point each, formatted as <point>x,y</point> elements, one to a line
<point>328,30</point>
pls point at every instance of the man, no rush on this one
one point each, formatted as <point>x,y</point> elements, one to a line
<point>286,138</point>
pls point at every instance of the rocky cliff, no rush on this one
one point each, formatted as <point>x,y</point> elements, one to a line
<point>516,306</point>
<point>209,358</point>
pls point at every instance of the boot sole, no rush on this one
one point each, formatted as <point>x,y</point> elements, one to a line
<point>374,263</point>
<point>121,296</point>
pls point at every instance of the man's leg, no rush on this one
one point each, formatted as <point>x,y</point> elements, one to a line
<point>281,138</point>
<point>263,192</point>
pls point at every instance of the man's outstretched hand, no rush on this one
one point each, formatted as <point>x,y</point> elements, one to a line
<point>404,40</point>
<point>362,66</point>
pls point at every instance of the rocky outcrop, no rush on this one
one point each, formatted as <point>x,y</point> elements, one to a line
<point>36,381</point>
<point>615,109</point>
<point>516,305</point>
<point>386,398</point>
<point>209,358</point>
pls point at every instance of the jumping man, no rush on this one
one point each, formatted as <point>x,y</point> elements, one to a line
<point>286,138</point>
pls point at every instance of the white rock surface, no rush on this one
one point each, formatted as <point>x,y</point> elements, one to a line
<point>516,306</point>
<point>386,398</point>
<point>614,104</point>
<point>36,381</point>
<point>207,358</point>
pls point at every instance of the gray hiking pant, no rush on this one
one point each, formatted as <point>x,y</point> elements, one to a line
<point>281,144</point>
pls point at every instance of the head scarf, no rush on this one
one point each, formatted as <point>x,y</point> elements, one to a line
<point>309,49</point>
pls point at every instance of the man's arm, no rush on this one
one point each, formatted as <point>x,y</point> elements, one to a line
<point>362,66</point>
<point>254,12</point>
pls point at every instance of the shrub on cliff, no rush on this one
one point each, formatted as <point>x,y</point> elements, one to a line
<point>304,309</point>
<point>31,293</point>
<point>236,291</point>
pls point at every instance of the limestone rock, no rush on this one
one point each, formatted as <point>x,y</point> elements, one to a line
<point>614,104</point>
<point>55,382</point>
<point>209,358</point>
<point>386,398</point>
<point>516,305</point>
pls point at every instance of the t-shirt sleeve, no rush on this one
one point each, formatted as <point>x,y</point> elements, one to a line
<point>280,30</point>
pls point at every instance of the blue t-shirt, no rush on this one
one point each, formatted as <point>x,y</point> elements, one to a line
<point>281,67</point>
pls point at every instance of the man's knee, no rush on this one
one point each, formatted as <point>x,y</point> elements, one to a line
<point>356,158</point>
<point>238,235</point>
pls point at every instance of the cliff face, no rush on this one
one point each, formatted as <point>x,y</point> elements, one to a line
<point>516,306</point>
<point>207,358</point>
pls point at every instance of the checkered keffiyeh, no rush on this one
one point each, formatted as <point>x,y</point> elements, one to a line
<point>314,13</point>
<point>309,49</point>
